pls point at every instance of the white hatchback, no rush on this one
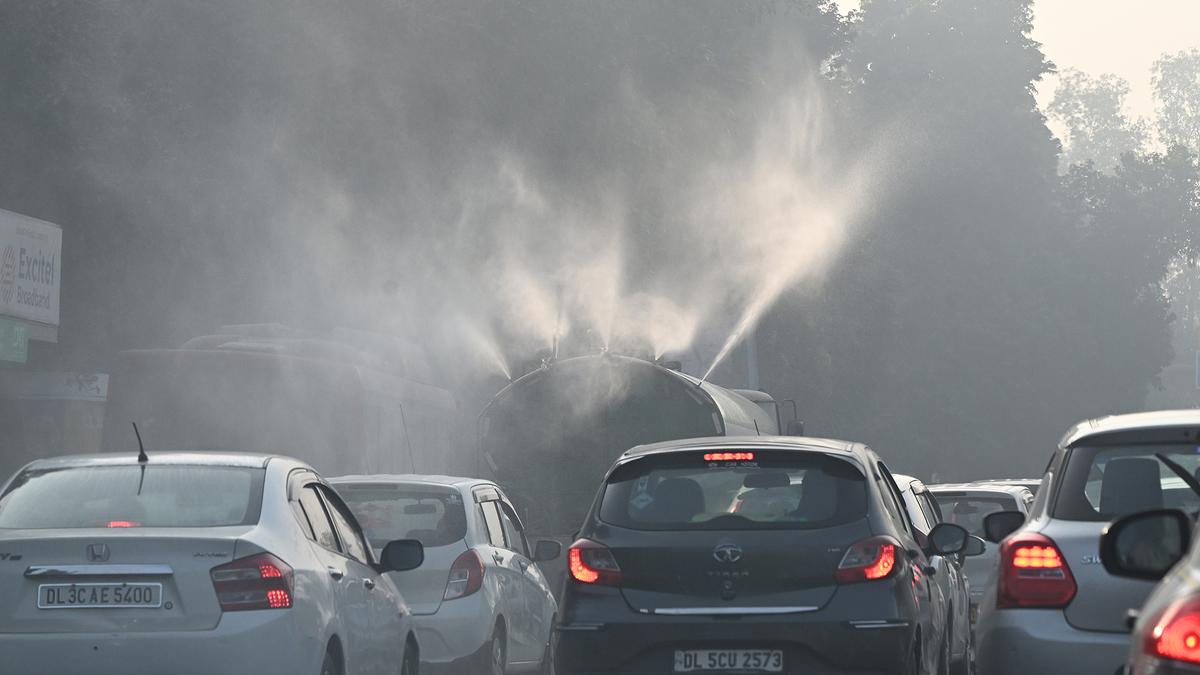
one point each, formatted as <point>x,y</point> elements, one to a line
<point>480,603</point>
<point>193,563</point>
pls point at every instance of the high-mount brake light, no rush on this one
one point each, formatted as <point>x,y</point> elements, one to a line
<point>729,456</point>
<point>868,560</point>
<point>257,582</point>
<point>466,576</point>
<point>122,523</point>
<point>1033,573</point>
<point>592,563</point>
<point>1176,634</point>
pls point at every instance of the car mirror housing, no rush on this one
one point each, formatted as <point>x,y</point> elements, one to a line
<point>402,555</point>
<point>997,526</point>
<point>1146,545</point>
<point>975,546</point>
<point>546,549</point>
<point>948,539</point>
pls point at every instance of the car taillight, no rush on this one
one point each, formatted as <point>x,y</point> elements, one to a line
<point>257,582</point>
<point>869,559</point>
<point>1033,573</point>
<point>592,563</point>
<point>1176,634</point>
<point>466,576</point>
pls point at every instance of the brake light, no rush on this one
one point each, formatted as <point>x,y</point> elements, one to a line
<point>122,523</point>
<point>592,563</point>
<point>728,456</point>
<point>868,560</point>
<point>257,582</point>
<point>1176,635</point>
<point>1033,573</point>
<point>466,576</point>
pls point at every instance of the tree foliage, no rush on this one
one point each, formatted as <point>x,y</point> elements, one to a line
<point>1092,111</point>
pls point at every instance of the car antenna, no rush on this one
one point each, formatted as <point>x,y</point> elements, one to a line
<point>142,458</point>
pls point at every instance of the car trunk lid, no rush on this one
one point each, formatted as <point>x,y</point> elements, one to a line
<point>1101,600</point>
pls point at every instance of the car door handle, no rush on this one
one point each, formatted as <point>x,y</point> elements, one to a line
<point>369,584</point>
<point>336,573</point>
<point>523,564</point>
<point>498,558</point>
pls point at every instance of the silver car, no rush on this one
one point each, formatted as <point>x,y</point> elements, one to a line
<point>480,603</point>
<point>967,505</point>
<point>950,585</point>
<point>1054,608</point>
<point>193,563</point>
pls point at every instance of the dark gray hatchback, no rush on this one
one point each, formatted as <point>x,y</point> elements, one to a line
<point>750,555</point>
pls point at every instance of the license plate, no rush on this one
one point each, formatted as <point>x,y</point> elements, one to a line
<point>94,596</point>
<point>718,660</point>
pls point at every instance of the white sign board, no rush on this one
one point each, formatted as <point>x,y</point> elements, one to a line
<point>30,268</point>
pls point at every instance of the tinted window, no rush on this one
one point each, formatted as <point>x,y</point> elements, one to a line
<point>683,491</point>
<point>890,501</point>
<point>491,519</point>
<point>133,496</point>
<point>353,544</point>
<point>1103,483</point>
<point>317,518</point>
<point>434,516</point>
<point>969,510</point>
<point>512,531</point>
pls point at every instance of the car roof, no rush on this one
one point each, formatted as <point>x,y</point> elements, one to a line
<point>242,459</point>
<point>409,479</point>
<point>1012,490</point>
<point>1155,420</point>
<point>799,443</point>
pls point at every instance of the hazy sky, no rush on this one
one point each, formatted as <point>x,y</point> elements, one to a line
<point>1123,37</point>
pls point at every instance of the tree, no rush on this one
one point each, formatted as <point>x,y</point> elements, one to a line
<point>1176,80</point>
<point>1092,111</point>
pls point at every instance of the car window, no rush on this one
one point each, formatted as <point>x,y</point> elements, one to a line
<point>760,490</point>
<point>927,509</point>
<point>318,519</point>
<point>1106,482</point>
<point>968,510</point>
<point>891,498</point>
<point>931,506</point>
<point>353,544</point>
<point>433,515</point>
<point>491,520</point>
<point>513,533</point>
<point>132,496</point>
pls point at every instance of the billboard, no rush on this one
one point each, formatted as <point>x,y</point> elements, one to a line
<point>30,268</point>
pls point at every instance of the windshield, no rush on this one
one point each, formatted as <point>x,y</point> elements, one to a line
<point>434,516</point>
<point>1107,482</point>
<point>684,491</point>
<point>132,496</point>
<point>969,511</point>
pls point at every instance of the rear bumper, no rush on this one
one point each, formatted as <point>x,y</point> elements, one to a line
<point>458,630</point>
<point>1021,641</point>
<point>243,642</point>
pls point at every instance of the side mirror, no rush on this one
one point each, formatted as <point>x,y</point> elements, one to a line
<point>975,546</point>
<point>1146,545</point>
<point>795,428</point>
<point>948,539</point>
<point>997,526</point>
<point>402,555</point>
<point>546,549</point>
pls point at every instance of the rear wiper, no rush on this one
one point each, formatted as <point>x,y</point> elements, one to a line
<point>1180,471</point>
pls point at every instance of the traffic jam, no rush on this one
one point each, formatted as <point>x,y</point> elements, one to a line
<point>733,553</point>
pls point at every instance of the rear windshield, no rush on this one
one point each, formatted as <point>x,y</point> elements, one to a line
<point>1106,482</point>
<point>970,510</point>
<point>133,496</point>
<point>772,490</point>
<point>432,515</point>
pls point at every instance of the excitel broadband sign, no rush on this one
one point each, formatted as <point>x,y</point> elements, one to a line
<point>30,261</point>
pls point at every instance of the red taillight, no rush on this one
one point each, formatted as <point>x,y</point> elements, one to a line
<point>1176,634</point>
<point>123,523</point>
<point>258,582</point>
<point>1033,573</point>
<point>592,563</point>
<point>466,576</point>
<point>870,559</point>
<point>729,456</point>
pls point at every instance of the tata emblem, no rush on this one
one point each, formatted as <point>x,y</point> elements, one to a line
<point>727,553</point>
<point>97,552</point>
